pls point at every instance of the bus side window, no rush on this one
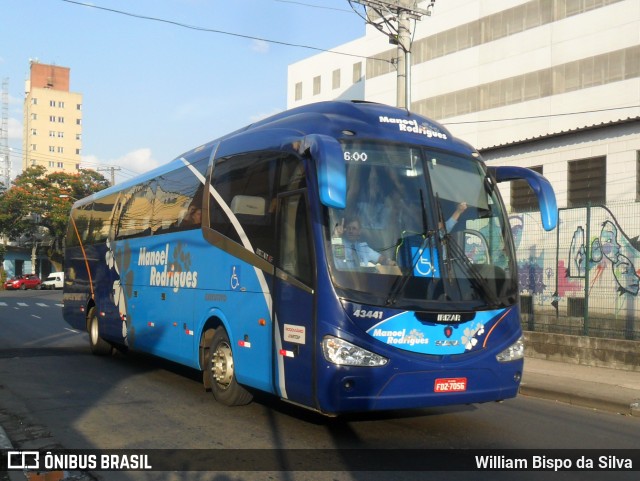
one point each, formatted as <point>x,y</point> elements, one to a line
<point>294,253</point>
<point>246,184</point>
<point>92,222</point>
<point>101,217</point>
<point>79,226</point>
<point>178,203</point>
<point>292,175</point>
<point>135,217</point>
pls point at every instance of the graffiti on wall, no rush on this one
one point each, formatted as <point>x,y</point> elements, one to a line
<point>533,277</point>
<point>547,264</point>
<point>606,252</point>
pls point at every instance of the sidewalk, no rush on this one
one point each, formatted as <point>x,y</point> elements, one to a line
<point>606,389</point>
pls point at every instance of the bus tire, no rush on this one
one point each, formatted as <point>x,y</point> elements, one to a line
<point>220,369</point>
<point>99,346</point>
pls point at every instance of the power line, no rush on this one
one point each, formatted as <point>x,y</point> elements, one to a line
<point>42,157</point>
<point>532,117</point>
<point>393,19</point>
<point>315,6</point>
<point>221,32</point>
<point>111,169</point>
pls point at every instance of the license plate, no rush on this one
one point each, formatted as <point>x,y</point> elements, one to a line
<point>457,384</point>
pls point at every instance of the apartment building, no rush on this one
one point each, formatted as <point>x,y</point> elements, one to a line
<point>52,135</point>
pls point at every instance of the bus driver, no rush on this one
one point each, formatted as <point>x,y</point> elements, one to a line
<point>355,252</point>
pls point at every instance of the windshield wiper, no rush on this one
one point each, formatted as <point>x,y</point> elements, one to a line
<point>399,285</point>
<point>472,273</point>
<point>444,241</point>
<point>451,251</point>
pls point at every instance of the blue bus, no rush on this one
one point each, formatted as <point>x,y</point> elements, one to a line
<point>343,256</point>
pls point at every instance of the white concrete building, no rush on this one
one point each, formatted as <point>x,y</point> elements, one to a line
<point>497,72</point>
<point>548,84</point>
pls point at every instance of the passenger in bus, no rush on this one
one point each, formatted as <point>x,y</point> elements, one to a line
<point>355,252</point>
<point>412,223</point>
<point>375,202</point>
<point>193,217</point>
<point>378,204</point>
<point>455,217</point>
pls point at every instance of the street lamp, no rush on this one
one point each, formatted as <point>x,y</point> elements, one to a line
<point>67,196</point>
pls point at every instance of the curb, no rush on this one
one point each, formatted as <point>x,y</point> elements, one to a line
<point>5,443</point>
<point>618,407</point>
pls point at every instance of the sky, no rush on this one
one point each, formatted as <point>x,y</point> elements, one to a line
<point>153,89</point>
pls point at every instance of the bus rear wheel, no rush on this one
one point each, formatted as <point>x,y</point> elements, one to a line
<point>99,346</point>
<point>220,369</point>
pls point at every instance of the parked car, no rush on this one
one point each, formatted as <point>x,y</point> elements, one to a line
<point>54,281</point>
<point>26,281</point>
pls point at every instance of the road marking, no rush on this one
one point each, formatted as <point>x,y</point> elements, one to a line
<point>42,304</point>
<point>22,304</point>
<point>3,304</point>
<point>71,330</point>
<point>60,305</point>
<point>37,317</point>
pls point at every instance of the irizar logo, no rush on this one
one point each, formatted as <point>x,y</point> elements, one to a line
<point>449,317</point>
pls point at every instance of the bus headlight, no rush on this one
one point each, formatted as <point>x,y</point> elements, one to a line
<point>514,352</point>
<point>339,351</point>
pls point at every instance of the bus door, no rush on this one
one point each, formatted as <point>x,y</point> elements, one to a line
<point>294,302</point>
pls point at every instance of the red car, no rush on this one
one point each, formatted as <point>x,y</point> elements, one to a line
<point>27,281</point>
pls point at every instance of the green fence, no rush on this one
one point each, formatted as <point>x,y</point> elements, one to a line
<point>582,278</point>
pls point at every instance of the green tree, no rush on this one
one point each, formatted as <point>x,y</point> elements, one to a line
<point>37,206</point>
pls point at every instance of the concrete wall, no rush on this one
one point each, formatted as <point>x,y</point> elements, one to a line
<point>588,351</point>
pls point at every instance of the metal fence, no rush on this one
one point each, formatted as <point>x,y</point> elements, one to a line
<point>583,278</point>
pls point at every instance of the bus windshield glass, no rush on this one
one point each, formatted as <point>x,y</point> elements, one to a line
<point>422,229</point>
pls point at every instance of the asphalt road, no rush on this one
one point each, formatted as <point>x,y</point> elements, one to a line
<point>55,394</point>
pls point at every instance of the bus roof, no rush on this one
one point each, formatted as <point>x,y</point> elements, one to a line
<point>338,119</point>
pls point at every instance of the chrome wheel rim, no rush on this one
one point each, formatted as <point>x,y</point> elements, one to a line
<point>94,331</point>
<point>222,365</point>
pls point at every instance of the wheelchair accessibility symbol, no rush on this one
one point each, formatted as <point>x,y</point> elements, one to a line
<point>426,266</point>
<point>235,277</point>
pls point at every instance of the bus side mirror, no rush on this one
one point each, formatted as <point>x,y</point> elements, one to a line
<point>539,184</point>
<point>332,171</point>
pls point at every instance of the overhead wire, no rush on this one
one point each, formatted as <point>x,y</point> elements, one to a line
<point>289,44</point>
<point>43,157</point>
<point>324,7</point>
<point>217,31</point>
<point>205,29</point>
<point>533,117</point>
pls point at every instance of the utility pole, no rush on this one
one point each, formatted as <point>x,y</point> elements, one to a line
<point>113,172</point>
<point>5,158</point>
<point>393,18</point>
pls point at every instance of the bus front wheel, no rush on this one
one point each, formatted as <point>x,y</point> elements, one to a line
<point>220,369</point>
<point>99,346</point>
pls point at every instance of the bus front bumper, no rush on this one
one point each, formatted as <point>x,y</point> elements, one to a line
<point>351,389</point>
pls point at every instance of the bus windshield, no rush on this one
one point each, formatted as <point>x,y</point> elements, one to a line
<point>422,229</point>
